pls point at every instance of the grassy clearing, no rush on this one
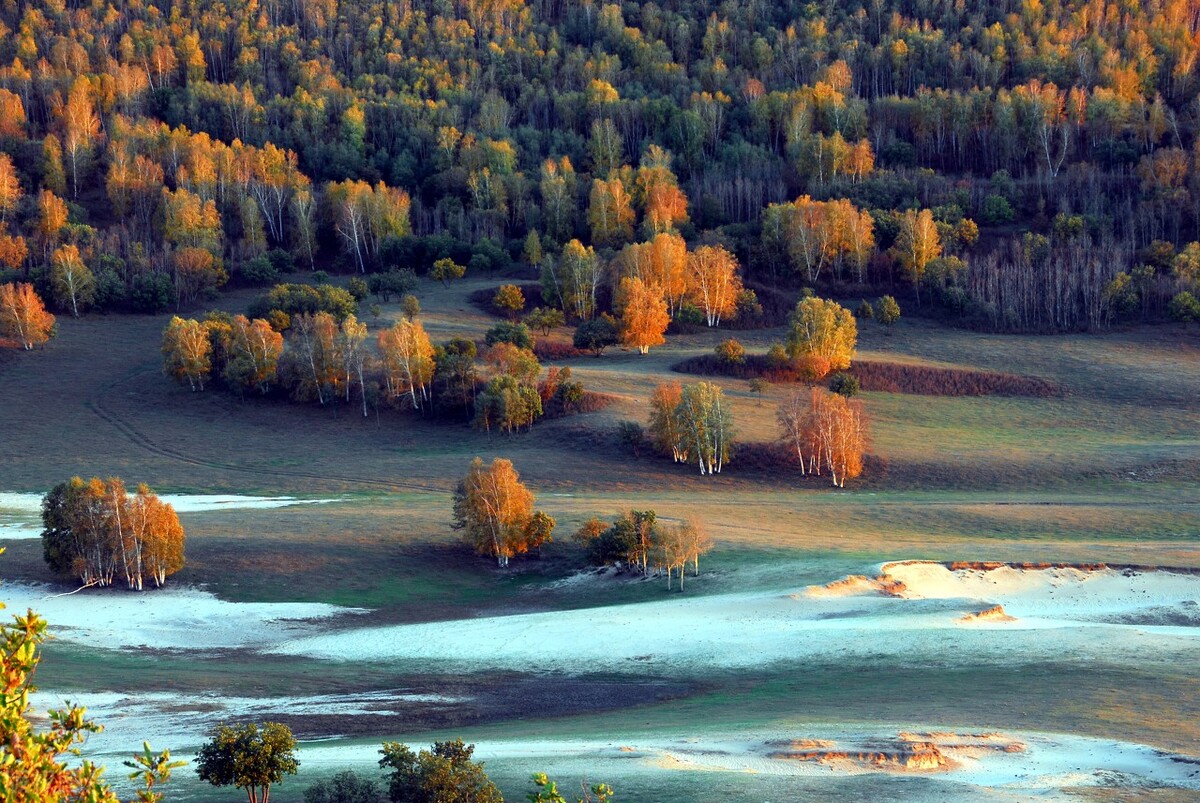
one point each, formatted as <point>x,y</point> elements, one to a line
<point>1111,472</point>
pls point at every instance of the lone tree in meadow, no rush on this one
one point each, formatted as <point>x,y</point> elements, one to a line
<point>23,316</point>
<point>249,757</point>
<point>495,510</point>
<point>822,335</point>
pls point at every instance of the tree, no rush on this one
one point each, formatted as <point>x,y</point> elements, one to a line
<point>610,212</point>
<point>495,510</point>
<point>44,767</point>
<point>665,429</point>
<point>917,244</point>
<point>410,305</point>
<point>350,339</point>
<point>408,362</point>
<point>644,317</point>
<point>10,186</point>
<point>23,317</point>
<point>714,282</point>
<point>446,270</point>
<point>187,352</point>
<point>887,311</point>
<point>545,319</point>
<point>73,283</point>
<point>248,757</point>
<point>596,335</point>
<point>573,280</point>
<point>445,774</point>
<point>509,332</point>
<point>821,336</point>
<point>509,300</point>
<point>316,356</point>
<point>94,530</point>
<point>706,426</point>
<point>252,354</point>
<point>731,352</point>
<point>826,431</point>
<point>80,126</point>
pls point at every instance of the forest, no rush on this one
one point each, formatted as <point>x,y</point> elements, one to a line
<point>1011,166</point>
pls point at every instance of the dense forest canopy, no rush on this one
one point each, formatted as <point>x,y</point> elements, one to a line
<point>188,140</point>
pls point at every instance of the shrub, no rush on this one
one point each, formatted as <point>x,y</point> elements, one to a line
<point>844,384</point>
<point>887,310</point>
<point>258,272</point>
<point>747,309</point>
<point>509,332</point>
<point>865,311</point>
<point>545,318</point>
<point>411,306</point>
<point>596,335</point>
<point>151,292</point>
<point>731,351</point>
<point>509,300</point>
<point>1184,307</point>
<point>689,314</point>
<point>392,283</point>
<point>297,299</point>
<point>279,320</point>
<point>997,210</point>
<point>632,436</point>
<point>777,357</point>
<point>357,288</point>
<point>319,277</point>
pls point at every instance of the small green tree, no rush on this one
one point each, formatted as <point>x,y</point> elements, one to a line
<point>545,319</point>
<point>249,758</point>
<point>887,311</point>
<point>509,332</point>
<point>445,774</point>
<point>597,334</point>
<point>844,384</point>
<point>410,306</point>
<point>509,301</point>
<point>446,270</point>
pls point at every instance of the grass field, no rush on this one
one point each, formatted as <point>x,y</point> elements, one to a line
<point>1109,472</point>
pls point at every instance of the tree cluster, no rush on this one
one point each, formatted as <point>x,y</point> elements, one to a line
<point>96,531</point>
<point>693,424</point>
<point>827,431</point>
<point>637,539</point>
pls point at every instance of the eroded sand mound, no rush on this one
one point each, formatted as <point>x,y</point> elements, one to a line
<point>993,614</point>
<point>857,585</point>
<point>907,752</point>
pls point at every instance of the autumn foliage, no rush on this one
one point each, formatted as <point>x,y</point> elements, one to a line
<point>97,531</point>
<point>495,510</point>
<point>827,432</point>
<point>23,317</point>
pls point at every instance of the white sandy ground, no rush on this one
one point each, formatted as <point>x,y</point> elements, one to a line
<point>182,720</point>
<point>174,617</point>
<point>20,513</point>
<point>1060,614</point>
<point>1049,761</point>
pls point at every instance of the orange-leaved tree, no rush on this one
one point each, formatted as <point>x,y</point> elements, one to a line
<point>23,316</point>
<point>644,315</point>
<point>495,509</point>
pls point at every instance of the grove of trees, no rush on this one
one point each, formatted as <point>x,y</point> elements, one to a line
<point>97,531</point>
<point>693,423</point>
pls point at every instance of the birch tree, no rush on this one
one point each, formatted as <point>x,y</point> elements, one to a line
<point>74,285</point>
<point>187,352</point>
<point>408,362</point>
<point>644,317</point>
<point>495,510</point>
<point>23,317</point>
<point>706,423</point>
<point>714,282</point>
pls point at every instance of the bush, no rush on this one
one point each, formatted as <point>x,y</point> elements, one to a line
<point>865,311</point>
<point>688,314</point>
<point>345,787</point>
<point>319,277</point>
<point>411,306</point>
<point>731,352</point>
<point>844,384</point>
<point>887,311</point>
<point>279,320</point>
<point>1184,307</point>
<point>392,283</point>
<point>297,299</point>
<point>358,288</point>
<point>509,332</point>
<point>509,300</point>
<point>151,292</point>
<point>997,210</point>
<point>632,436</point>
<point>777,357</point>
<point>258,272</point>
<point>596,335</point>
<point>281,260</point>
<point>545,318</point>
<point>748,310</point>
